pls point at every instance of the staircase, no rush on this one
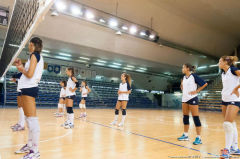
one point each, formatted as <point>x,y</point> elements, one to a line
<point>211,97</point>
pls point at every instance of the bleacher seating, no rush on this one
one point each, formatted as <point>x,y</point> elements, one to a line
<point>212,97</point>
<point>104,94</point>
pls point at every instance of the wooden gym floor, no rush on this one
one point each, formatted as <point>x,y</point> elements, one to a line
<point>147,134</point>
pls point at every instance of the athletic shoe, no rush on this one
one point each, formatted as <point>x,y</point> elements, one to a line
<point>58,115</point>
<point>24,149</point>
<point>183,138</point>
<point>234,152</point>
<point>32,155</point>
<point>113,123</point>
<point>197,141</point>
<point>225,154</point>
<point>64,124</point>
<point>18,128</point>
<point>121,124</point>
<point>69,126</point>
<point>14,126</point>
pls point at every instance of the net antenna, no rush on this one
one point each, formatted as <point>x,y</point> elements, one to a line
<point>25,18</point>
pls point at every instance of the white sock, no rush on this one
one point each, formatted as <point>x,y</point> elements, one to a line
<point>63,108</point>
<point>21,117</point>
<point>71,118</point>
<point>199,136</point>
<point>29,143</point>
<point>59,105</point>
<point>235,136</point>
<point>68,120</point>
<point>34,129</point>
<point>116,118</point>
<point>228,128</point>
<point>123,118</point>
<point>185,134</point>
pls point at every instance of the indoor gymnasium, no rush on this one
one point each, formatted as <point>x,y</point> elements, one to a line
<point>122,79</point>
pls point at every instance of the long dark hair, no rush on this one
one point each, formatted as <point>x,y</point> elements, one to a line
<point>72,71</point>
<point>128,78</point>
<point>64,83</point>
<point>190,67</point>
<point>37,42</point>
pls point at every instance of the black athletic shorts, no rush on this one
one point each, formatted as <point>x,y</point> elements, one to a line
<point>32,92</point>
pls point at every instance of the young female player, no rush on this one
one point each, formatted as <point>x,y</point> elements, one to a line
<point>31,76</point>
<point>61,103</point>
<point>85,90</point>
<point>72,86</point>
<point>190,101</point>
<point>123,97</point>
<point>21,121</point>
<point>230,103</point>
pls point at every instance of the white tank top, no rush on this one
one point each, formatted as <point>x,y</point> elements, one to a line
<point>189,84</point>
<point>230,81</point>
<point>124,87</point>
<point>25,82</point>
<point>84,90</point>
<point>62,93</point>
<point>70,84</point>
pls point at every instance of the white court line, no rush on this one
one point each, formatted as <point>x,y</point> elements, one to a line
<point>47,140</point>
<point>164,122</point>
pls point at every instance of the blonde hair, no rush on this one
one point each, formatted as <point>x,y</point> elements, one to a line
<point>231,60</point>
<point>128,78</point>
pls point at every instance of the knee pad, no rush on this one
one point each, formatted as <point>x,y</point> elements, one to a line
<point>197,121</point>
<point>116,111</point>
<point>186,119</point>
<point>80,105</point>
<point>124,112</point>
<point>60,105</point>
<point>69,110</point>
<point>228,126</point>
<point>33,124</point>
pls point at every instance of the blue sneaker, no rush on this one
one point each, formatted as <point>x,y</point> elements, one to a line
<point>225,154</point>
<point>234,152</point>
<point>197,141</point>
<point>183,138</point>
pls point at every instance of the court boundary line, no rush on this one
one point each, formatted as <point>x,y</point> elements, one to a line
<point>152,138</point>
<point>41,141</point>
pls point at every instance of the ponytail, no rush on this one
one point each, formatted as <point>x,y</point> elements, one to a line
<point>128,79</point>
<point>231,60</point>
